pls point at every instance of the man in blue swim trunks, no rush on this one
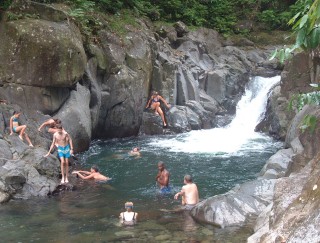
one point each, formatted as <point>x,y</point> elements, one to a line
<point>65,148</point>
<point>162,178</point>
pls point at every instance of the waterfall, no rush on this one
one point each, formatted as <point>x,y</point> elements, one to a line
<point>239,135</point>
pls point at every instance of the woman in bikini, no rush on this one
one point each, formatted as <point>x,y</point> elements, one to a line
<point>20,129</point>
<point>154,104</point>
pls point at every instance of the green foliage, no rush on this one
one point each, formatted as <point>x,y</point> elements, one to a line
<point>300,100</point>
<point>309,122</point>
<point>306,28</point>
<point>222,15</point>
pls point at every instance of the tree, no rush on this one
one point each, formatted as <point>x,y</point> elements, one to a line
<point>306,27</point>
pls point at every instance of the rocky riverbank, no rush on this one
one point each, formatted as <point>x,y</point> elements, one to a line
<point>99,90</point>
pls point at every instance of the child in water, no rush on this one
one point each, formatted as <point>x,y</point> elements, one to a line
<point>135,152</point>
<point>129,217</point>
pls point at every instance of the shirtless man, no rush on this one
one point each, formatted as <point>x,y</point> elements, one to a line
<point>65,149</point>
<point>189,193</point>
<point>162,178</point>
<point>92,174</point>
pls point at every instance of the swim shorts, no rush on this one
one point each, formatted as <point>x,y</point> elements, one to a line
<point>14,129</point>
<point>64,152</point>
<point>165,190</point>
<point>189,206</point>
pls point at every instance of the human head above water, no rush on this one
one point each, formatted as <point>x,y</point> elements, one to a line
<point>161,165</point>
<point>95,168</point>
<point>188,178</point>
<point>128,205</point>
<point>136,149</point>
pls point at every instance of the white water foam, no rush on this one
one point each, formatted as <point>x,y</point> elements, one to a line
<point>238,135</point>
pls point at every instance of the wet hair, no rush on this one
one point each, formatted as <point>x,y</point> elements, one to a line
<point>160,163</point>
<point>188,178</point>
<point>154,93</point>
<point>56,120</point>
<point>16,112</point>
<point>58,126</point>
<point>95,168</point>
<point>128,205</point>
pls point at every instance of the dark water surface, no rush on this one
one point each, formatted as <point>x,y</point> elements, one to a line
<point>90,214</point>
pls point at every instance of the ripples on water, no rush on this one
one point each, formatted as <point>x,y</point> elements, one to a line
<point>218,159</point>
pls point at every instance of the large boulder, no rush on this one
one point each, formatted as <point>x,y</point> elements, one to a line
<point>40,60</point>
<point>76,119</point>
<point>277,116</point>
<point>237,206</point>
<point>294,214</point>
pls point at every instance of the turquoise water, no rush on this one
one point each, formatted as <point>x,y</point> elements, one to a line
<point>90,213</point>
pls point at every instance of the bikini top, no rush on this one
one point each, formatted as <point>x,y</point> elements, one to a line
<point>15,119</point>
<point>155,100</point>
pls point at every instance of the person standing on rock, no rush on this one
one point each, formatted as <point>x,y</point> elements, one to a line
<point>189,193</point>
<point>154,104</point>
<point>162,178</point>
<point>51,124</point>
<point>20,129</point>
<point>65,149</point>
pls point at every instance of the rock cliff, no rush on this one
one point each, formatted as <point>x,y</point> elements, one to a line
<point>99,88</point>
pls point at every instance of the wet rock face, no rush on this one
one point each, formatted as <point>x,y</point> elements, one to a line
<point>40,59</point>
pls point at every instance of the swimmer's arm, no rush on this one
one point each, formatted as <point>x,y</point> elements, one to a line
<point>181,193</point>
<point>51,147</point>
<point>84,172</point>
<point>159,174</point>
<point>11,125</point>
<point>85,177</point>
<point>136,217</point>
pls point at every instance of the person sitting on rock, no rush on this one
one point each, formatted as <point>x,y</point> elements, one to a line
<point>92,174</point>
<point>154,104</point>
<point>51,125</point>
<point>129,217</point>
<point>20,129</point>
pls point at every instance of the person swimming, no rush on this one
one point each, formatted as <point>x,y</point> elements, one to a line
<point>135,152</point>
<point>92,174</point>
<point>129,217</point>
<point>162,178</point>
